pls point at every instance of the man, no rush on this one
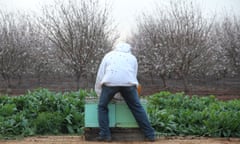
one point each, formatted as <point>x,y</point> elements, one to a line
<point>117,73</point>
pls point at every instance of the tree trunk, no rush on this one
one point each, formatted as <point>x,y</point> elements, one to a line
<point>151,75</point>
<point>39,79</point>
<point>19,80</point>
<point>185,83</point>
<point>163,78</point>
<point>6,78</point>
<point>78,81</point>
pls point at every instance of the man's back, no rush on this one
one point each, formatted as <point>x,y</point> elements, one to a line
<point>120,69</point>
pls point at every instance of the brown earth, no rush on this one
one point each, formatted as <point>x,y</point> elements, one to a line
<point>80,139</point>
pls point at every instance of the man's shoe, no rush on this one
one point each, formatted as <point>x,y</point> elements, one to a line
<point>148,139</point>
<point>104,139</point>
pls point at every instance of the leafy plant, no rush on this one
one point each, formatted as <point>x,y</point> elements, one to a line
<point>48,123</point>
<point>43,112</point>
<point>179,114</point>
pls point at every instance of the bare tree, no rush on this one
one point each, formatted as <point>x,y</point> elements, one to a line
<point>14,44</point>
<point>189,38</point>
<point>153,54</point>
<point>41,61</point>
<point>80,32</point>
<point>178,41</point>
<point>228,34</point>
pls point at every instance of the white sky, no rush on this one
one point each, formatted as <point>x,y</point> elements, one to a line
<point>126,11</point>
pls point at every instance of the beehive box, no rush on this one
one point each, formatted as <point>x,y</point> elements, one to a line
<point>123,116</point>
<point>91,115</point>
<point>119,114</point>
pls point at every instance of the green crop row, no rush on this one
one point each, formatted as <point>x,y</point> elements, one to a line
<point>41,112</point>
<point>178,114</point>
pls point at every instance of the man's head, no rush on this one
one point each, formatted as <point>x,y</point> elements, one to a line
<point>123,47</point>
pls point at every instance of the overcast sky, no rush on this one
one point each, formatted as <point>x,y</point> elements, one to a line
<point>126,11</point>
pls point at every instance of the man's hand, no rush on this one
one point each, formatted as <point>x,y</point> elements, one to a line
<point>139,89</point>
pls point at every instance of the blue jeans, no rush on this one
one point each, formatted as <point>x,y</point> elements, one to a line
<point>129,93</point>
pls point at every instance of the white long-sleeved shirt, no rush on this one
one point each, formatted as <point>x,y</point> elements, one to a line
<point>118,68</point>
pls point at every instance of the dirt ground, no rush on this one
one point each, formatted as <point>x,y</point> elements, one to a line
<point>80,140</point>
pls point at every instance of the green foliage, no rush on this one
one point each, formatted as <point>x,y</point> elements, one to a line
<point>179,114</point>
<point>43,112</point>
<point>48,122</point>
<point>8,109</point>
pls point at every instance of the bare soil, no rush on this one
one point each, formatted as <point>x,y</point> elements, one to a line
<point>80,139</point>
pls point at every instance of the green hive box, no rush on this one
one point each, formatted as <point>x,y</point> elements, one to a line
<point>91,115</point>
<point>119,114</point>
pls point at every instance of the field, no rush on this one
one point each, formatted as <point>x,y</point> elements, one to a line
<point>80,139</point>
<point>232,91</point>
